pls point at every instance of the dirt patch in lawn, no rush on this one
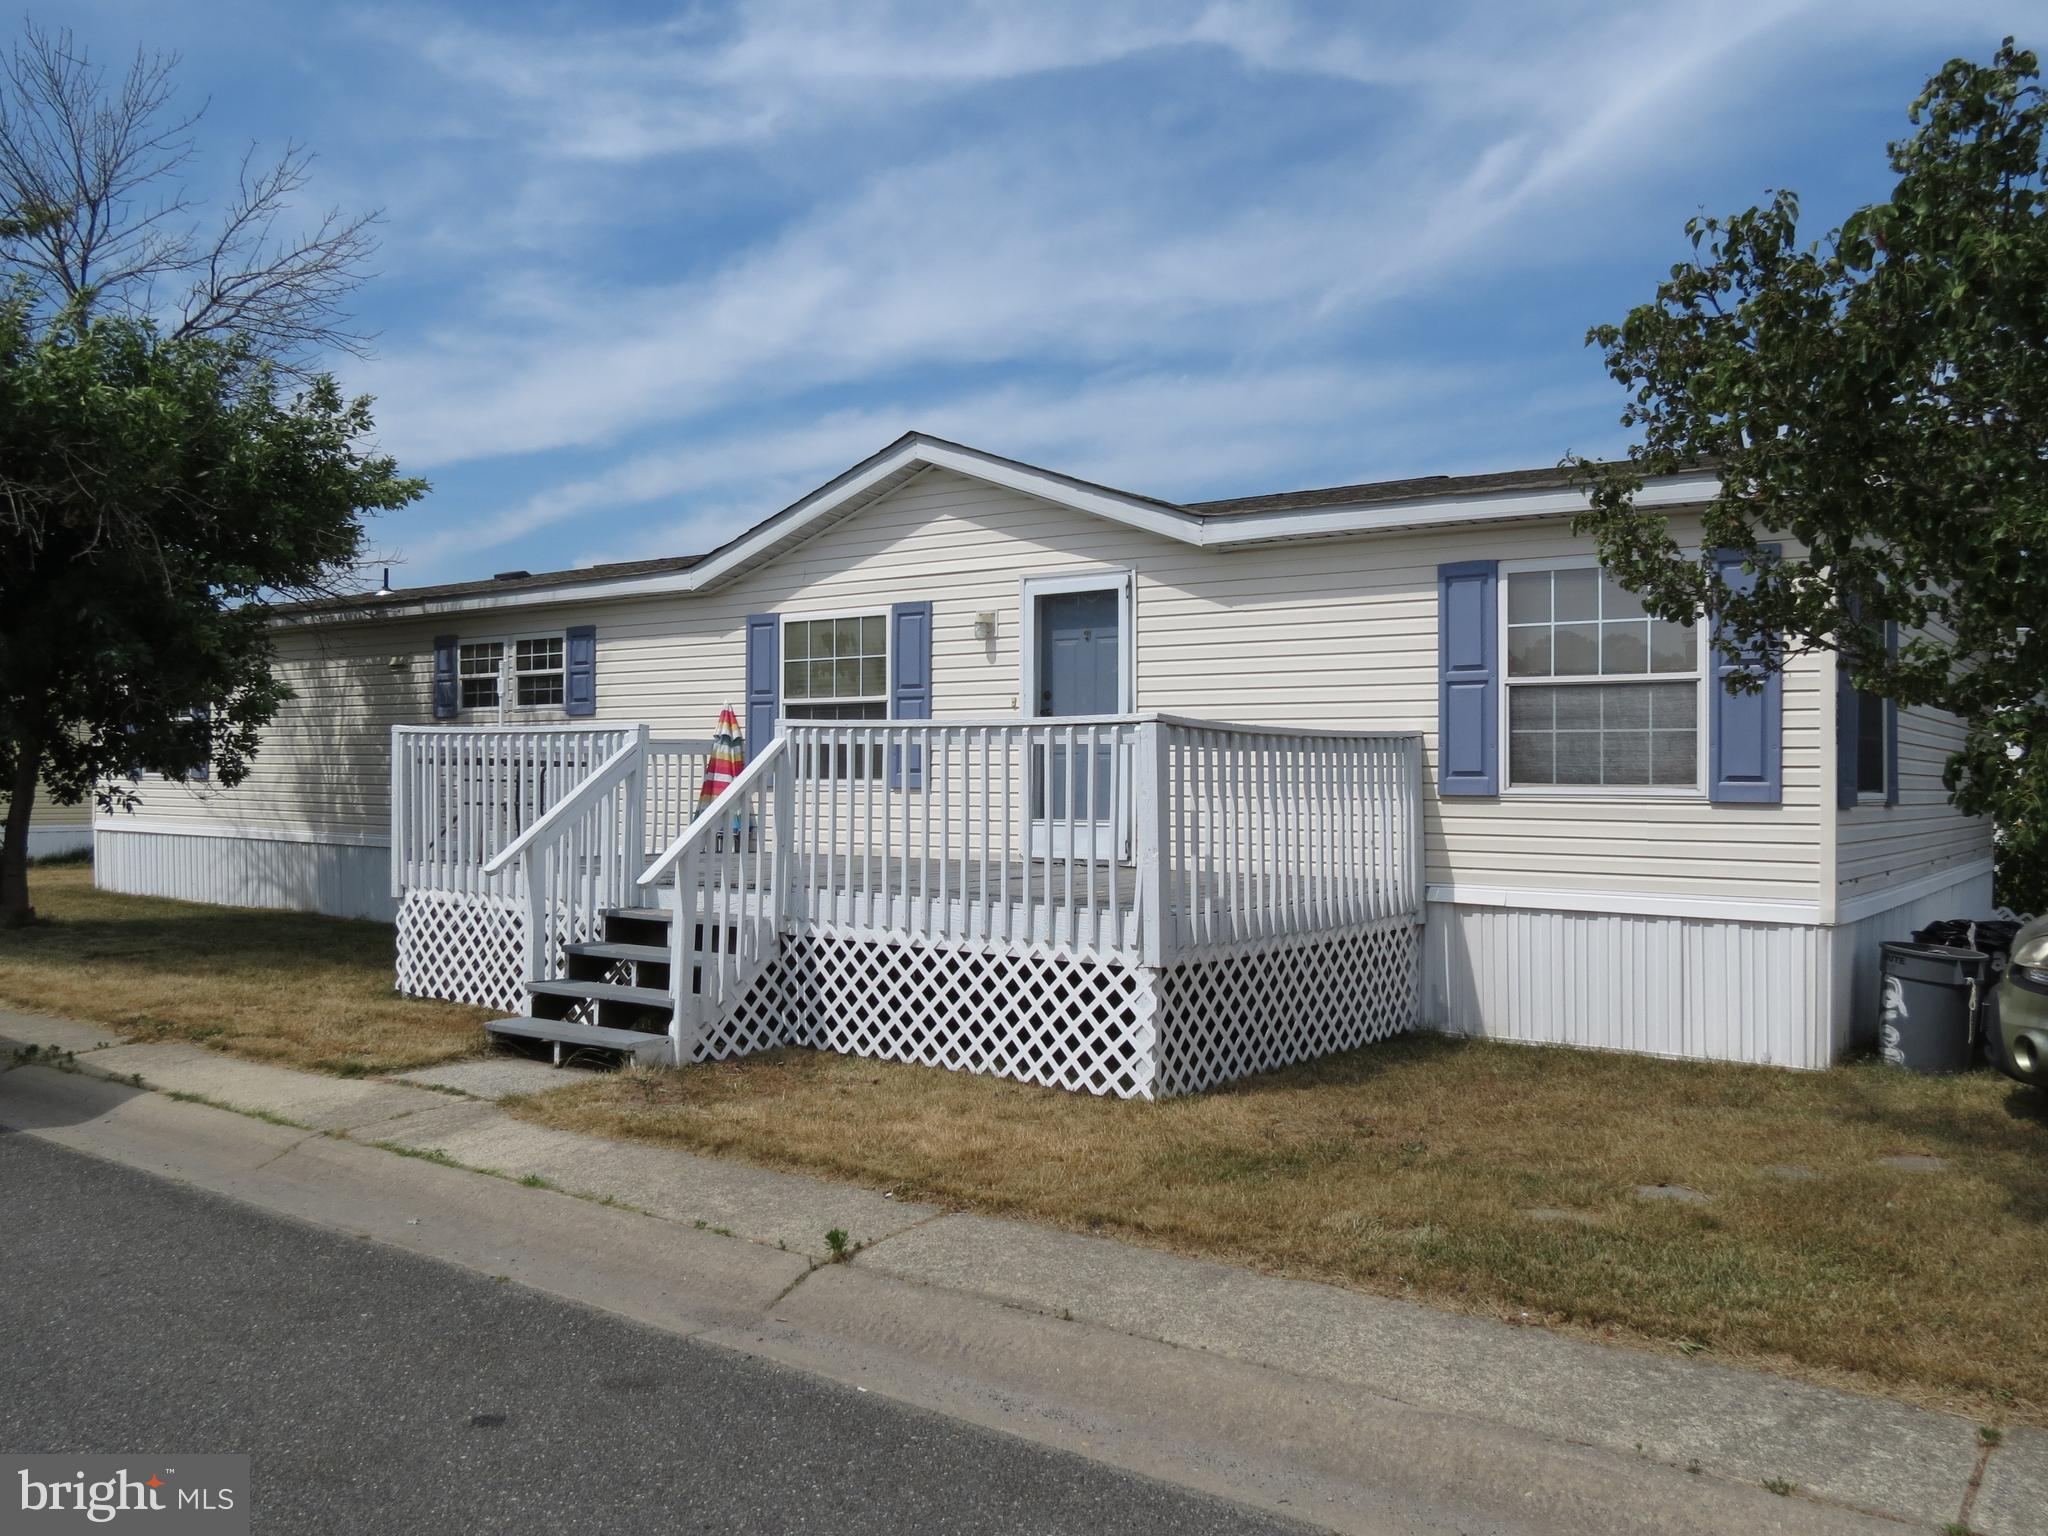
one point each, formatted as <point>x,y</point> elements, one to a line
<point>1501,1180</point>
<point>292,988</point>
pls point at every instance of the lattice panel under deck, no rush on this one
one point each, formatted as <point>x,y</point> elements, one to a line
<point>1263,1008</point>
<point>1031,1015</point>
<point>464,948</point>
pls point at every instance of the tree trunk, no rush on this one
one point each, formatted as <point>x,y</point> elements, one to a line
<point>15,912</point>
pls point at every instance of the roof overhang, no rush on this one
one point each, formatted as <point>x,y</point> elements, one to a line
<point>914,453</point>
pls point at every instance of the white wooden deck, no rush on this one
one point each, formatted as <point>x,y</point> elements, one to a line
<point>892,888</point>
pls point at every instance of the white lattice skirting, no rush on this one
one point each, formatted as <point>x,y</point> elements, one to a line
<point>465,948</point>
<point>1033,1015</point>
<point>1039,1016</point>
<point>1287,1001</point>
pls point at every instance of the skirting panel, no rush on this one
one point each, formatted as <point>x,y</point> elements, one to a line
<point>1271,1006</point>
<point>339,879</point>
<point>1856,949</point>
<point>1663,986</point>
<point>1101,1026</point>
<point>48,842</point>
<point>463,948</point>
<point>1030,1015</point>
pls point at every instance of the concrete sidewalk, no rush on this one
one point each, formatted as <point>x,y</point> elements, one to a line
<point>1351,1411</point>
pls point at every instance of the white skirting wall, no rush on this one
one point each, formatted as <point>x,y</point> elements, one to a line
<point>1791,993</point>
<point>244,868</point>
<point>47,842</point>
<point>1893,913</point>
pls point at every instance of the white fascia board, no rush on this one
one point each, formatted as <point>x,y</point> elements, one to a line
<point>1804,914</point>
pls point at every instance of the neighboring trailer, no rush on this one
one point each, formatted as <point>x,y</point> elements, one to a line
<point>1718,910</point>
<point>55,829</point>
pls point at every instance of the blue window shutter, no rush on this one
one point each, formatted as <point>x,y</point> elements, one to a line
<point>1845,738</point>
<point>446,697</point>
<point>202,770</point>
<point>764,679</point>
<point>1745,731</point>
<point>579,682</point>
<point>1891,725</point>
<point>1468,669</point>
<point>910,667</point>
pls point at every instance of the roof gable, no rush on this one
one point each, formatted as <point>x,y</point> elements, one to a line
<point>1385,507</point>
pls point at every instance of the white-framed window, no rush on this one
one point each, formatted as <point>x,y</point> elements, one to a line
<point>480,673</point>
<point>538,675</point>
<point>1596,694</point>
<point>511,672</point>
<point>836,667</point>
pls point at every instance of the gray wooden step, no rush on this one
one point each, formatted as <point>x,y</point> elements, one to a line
<point>633,1042</point>
<point>604,992</point>
<point>642,914</point>
<point>647,954</point>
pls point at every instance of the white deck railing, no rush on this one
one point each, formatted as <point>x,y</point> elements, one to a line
<point>981,832</point>
<point>1270,832</point>
<point>581,857</point>
<point>1147,839</point>
<point>675,775</point>
<point>726,875</point>
<point>458,796</point>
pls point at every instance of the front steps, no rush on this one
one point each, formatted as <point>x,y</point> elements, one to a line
<point>616,996</point>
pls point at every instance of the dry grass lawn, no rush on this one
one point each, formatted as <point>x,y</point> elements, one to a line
<point>1413,1169</point>
<point>286,987</point>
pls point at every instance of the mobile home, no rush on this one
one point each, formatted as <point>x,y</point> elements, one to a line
<point>1086,787</point>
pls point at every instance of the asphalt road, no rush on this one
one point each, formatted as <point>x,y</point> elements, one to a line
<point>377,1391</point>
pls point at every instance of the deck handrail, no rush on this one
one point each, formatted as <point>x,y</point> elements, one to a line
<point>574,804</point>
<point>709,819</point>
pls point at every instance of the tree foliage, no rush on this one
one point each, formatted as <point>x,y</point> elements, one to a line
<point>155,493</point>
<point>169,460</point>
<point>1879,398</point>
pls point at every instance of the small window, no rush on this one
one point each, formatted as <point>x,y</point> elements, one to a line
<point>836,669</point>
<point>480,667</point>
<point>1873,750</point>
<point>537,672</point>
<point>1598,692</point>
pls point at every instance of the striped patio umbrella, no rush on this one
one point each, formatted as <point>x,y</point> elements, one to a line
<point>728,752</point>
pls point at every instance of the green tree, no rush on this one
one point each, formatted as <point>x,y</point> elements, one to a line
<point>1881,398</point>
<point>155,493</point>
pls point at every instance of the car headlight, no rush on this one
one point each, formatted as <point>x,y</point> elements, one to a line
<point>2030,949</point>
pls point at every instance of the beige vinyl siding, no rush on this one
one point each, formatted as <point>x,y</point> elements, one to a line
<point>1879,846</point>
<point>1338,634</point>
<point>324,766</point>
<point>48,813</point>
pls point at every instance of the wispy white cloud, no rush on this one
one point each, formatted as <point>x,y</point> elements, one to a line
<point>686,229</point>
<point>1163,434</point>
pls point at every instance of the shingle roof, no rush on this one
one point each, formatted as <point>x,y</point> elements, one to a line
<point>1421,487</point>
<point>523,581</point>
<point>1384,490</point>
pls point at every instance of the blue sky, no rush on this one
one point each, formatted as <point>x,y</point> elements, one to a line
<point>648,272</point>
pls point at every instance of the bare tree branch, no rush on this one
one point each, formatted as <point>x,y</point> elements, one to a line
<point>95,210</point>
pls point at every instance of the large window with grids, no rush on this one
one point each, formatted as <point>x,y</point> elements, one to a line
<point>525,673</point>
<point>837,668</point>
<point>1598,693</point>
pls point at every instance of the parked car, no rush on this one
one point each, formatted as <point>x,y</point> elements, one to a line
<point>2023,1007</point>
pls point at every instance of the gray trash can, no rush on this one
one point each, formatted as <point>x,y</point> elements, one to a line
<point>1929,994</point>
